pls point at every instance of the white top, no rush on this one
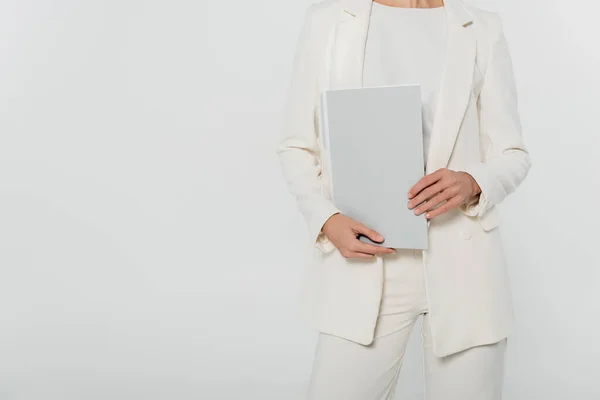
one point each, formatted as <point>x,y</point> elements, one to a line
<point>407,46</point>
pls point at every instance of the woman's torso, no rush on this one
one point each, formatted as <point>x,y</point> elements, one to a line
<point>407,46</point>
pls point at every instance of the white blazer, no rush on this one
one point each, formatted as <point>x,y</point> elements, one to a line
<point>476,129</point>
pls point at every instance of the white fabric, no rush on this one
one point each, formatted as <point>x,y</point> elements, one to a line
<point>343,369</point>
<point>407,46</point>
<point>476,129</point>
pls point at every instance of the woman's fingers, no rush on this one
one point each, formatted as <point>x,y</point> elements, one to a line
<point>445,195</point>
<point>368,248</point>
<point>427,194</point>
<point>344,231</point>
<point>351,254</point>
<point>368,232</point>
<point>359,249</point>
<point>425,182</point>
<point>354,248</point>
<point>450,204</point>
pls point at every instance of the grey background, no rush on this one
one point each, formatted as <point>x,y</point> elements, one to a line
<point>149,249</point>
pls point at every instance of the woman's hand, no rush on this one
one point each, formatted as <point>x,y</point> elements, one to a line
<point>343,232</point>
<point>443,186</point>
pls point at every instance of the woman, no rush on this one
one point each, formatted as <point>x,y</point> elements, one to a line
<point>364,299</point>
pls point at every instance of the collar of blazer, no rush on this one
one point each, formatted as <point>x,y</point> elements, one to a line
<point>347,60</point>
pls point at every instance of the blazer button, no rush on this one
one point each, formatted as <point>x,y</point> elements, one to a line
<point>465,235</point>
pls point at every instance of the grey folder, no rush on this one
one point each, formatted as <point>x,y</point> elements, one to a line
<point>373,139</point>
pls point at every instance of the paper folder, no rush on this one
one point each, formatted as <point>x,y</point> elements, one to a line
<point>373,139</point>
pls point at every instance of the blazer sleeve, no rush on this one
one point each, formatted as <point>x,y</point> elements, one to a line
<point>299,148</point>
<point>506,161</point>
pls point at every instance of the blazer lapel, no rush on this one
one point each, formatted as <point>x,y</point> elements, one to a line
<point>348,51</point>
<point>456,85</point>
<point>347,62</point>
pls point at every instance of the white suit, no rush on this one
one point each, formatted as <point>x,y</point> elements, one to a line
<point>476,129</point>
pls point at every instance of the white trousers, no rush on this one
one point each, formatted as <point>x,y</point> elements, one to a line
<point>345,370</point>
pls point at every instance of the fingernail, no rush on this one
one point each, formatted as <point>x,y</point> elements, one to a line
<point>379,238</point>
<point>417,211</point>
<point>427,215</point>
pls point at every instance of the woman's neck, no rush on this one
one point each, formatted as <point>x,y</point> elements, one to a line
<point>412,3</point>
